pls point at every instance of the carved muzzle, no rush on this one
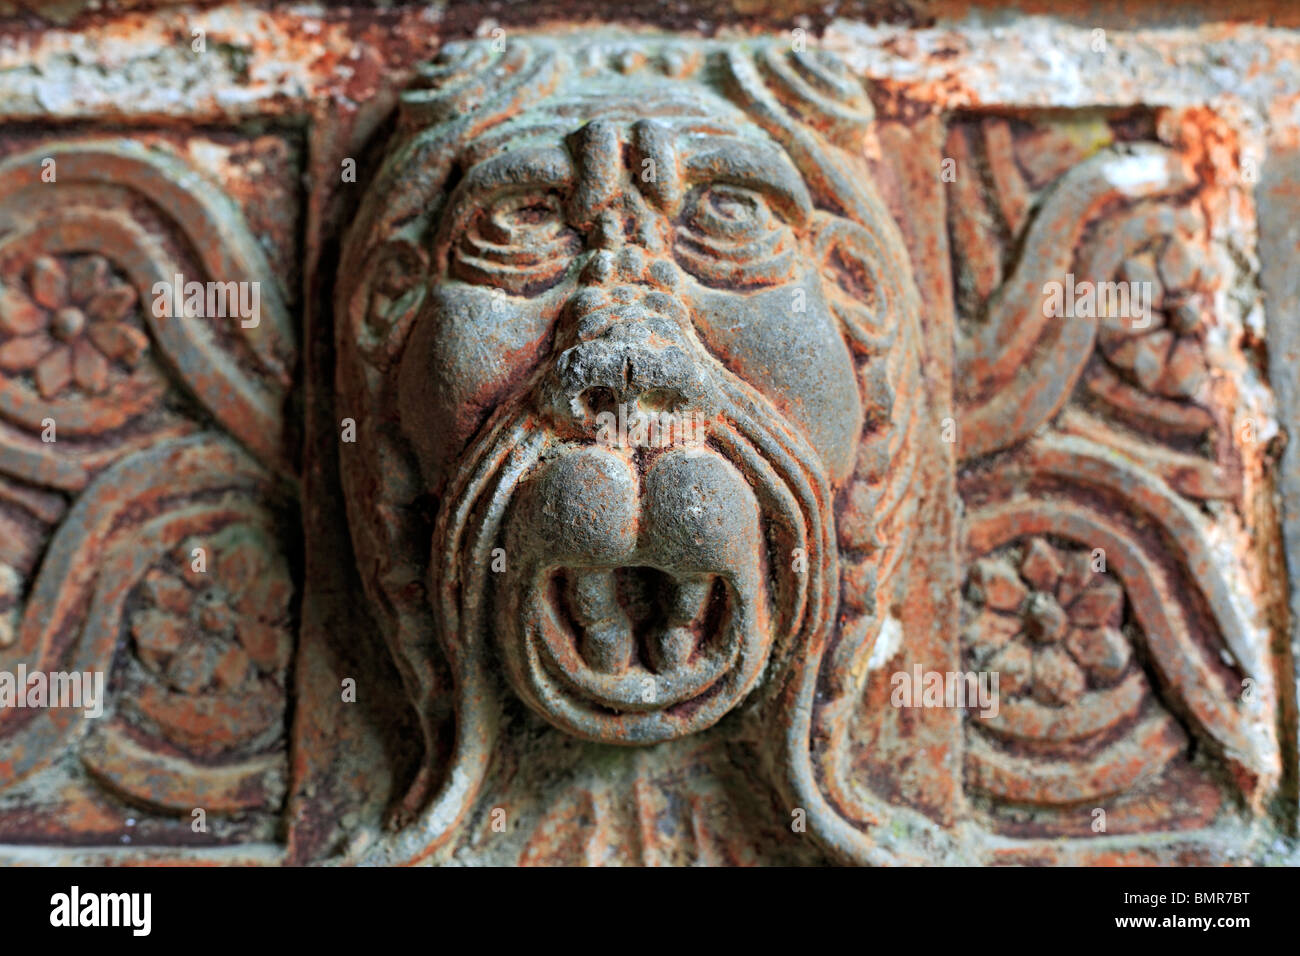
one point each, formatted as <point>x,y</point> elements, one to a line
<point>638,600</point>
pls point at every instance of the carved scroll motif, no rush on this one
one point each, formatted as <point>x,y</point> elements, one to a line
<point>142,545</point>
<point>1103,370</point>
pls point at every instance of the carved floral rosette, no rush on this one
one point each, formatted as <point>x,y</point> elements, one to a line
<point>1136,686</point>
<point>142,547</point>
<point>1095,596</point>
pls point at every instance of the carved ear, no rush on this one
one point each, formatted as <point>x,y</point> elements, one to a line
<point>860,285</point>
<point>388,297</point>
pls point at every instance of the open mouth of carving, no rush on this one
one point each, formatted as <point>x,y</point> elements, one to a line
<point>636,596</point>
<point>636,637</point>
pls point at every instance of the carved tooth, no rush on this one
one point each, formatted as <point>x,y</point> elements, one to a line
<point>607,646</point>
<point>690,600</point>
<point>672,647</point>
<point>605,640</point>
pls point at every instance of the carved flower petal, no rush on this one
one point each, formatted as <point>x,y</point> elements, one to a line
<point>19,315</point>
<point>158,635</point>
<point>267,597</point>
<point>1076,576</point>
<point>1188,314</point>
<point>267,645</point>
<point>1103,651</point>
<point>239,564</point>
<point>216,618</point>
<point>990,632</point>
<point>18,355</point>
<point>49,282</point>
<point>54,372</point>
<point>999,584</point>
<point>89,368</point>
<point>232,668</point>
<point>119,341</point>
<point>1014,665</point>
<point>1098,606</point>
<point>1149,361</point>
<point>1180,265</point>
<point>86,277</point>
<point>1119,342</point>
<point>1139,269</point>
<point>259,582</point>
<point>112,304</point>
<point>1122,351</point>
<point>192,667</point>
<point>192,564</point>
<point>168,592</point>
<point>1057,678</point>
<point>1185,371</point>
<point>1041,565</point>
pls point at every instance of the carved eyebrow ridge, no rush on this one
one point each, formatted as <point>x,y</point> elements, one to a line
<point>754,165</point>
<point>547,166</point>
<point>544,167</point>
<point>512,137</point>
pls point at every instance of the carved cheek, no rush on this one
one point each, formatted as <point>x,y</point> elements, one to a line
<point>785,343</point>
<point>469,351</point>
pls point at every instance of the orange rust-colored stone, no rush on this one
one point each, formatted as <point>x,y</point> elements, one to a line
<point>721,441</point>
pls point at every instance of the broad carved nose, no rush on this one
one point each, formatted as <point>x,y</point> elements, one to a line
<point>630,348</point>
<point>637,360</point>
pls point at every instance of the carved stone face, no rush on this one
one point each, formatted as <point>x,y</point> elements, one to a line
<point>620,373</point>
<point>618,268</point>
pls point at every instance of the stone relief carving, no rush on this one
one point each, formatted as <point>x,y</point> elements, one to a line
<point>1096,582</point>
<point>649,481</point>
<point>564,231</point>
<point>165,571</point>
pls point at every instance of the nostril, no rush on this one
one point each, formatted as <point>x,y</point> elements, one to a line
<point>660,400</point>
<point>598,399</point>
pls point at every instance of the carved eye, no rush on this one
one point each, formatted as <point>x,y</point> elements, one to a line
<point>519,243</point>
<point>728,236</point>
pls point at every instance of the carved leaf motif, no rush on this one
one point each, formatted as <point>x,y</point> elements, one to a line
<point>1020,365</point>
<point>1117,290</point>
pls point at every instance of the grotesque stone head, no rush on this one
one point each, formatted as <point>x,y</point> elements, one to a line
<point>622,325</point>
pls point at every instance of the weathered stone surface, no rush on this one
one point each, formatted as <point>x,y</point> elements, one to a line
<point>755,439</point>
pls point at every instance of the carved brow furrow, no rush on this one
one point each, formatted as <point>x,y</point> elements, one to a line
<point>508,138</point>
